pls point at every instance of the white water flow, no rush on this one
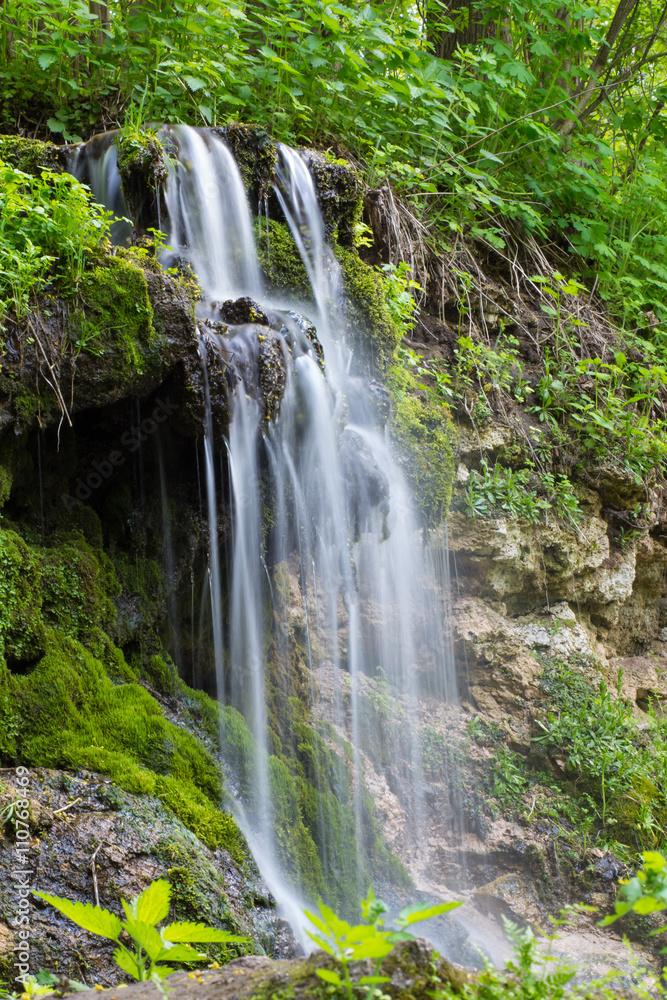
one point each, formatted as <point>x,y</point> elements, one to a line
<point>209,219</point>
<point>321,585</point>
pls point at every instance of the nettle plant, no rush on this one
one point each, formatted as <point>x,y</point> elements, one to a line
<point>153,949</point>
<point>369,940</point>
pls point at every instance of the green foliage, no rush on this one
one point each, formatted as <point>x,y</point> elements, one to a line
<point>503,491</point>
<point>153,946</point>
<point>645,893</point>
<point>528,975</point>
<point>49,230</point>
<point>398,291</point>
<point>368,940</point>
<point>620,765</point>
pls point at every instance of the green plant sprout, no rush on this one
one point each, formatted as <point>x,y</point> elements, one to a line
<point>153,946</point>
<point>368,940</point>
<point>645,893</point>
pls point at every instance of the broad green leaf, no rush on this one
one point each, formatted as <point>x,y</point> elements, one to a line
<point>319,923</point>
<point>127,963</point>
<point>180,953</point>
<point>91,918</point>
<point>411,915</point>
<point>200,933</point>
<point>153,903</point>
<point>45,59</point>
<point>323,944</point>
<point>649,904</point>
<point>145,935</point>
<point>162,971</point>
<point>329,976</point>
<point>373,948</point>
<point>194,83</point>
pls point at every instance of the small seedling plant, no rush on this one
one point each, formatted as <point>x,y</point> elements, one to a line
<point>645,893</point>
<point>153,950</point>
<point>368,940</point>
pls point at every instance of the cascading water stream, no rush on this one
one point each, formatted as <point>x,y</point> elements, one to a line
<point>319,507</point>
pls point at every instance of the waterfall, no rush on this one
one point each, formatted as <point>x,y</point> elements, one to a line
<point>324,593</point>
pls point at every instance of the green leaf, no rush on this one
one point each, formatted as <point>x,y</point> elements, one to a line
<point>55,125</point>
<point>372,948</point>
<point>180,953</point>
<point>371,980</point>
<point>145,936</point>
<point>162,971</point>
<point>45,59</point>
<point>194,83</point>
<point>323,943</point>
<point>200,933</point>
<point>127,963</point>
<point>91,918</point>
<point>329,976</point>
<point>422,911</point>
<point>153,903</point>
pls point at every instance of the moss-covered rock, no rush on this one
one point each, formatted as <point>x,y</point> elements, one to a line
<point>280,260</point>
<point>134,840</point>
<point>78,703</point>
<point>339,194</point>
<point>31,155</point>
<point>256,155</point>
<point>419,427</point>
<point>143,171</point>
<point>375,331</point>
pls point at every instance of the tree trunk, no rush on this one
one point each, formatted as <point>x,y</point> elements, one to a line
<point>623,11</point>
<point>471,22</point>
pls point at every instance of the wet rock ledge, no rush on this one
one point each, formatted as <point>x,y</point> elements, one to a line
<point>415,971</point>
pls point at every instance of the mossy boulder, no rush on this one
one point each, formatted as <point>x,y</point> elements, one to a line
<point>71,700</point>
<point>255,154</point>
<point>280,260</point>
<point>413,970</point>
<point>129,326</point>
<point>31,155</point>
<point>339,194</point>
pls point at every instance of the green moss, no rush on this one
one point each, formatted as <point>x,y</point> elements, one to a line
<point>198,893</point>
<point>31,155</point>
<point>420,430</point>
<point>279,259</point>
<point>369,317</point>
<point>339,194</point>
<point>141,158</point>
<point>21,627</point>
<point>78,585</point>
<point>64,704</point>
<point>118,316</point>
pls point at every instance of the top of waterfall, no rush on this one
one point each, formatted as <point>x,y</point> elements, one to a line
<point>209,217</point>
